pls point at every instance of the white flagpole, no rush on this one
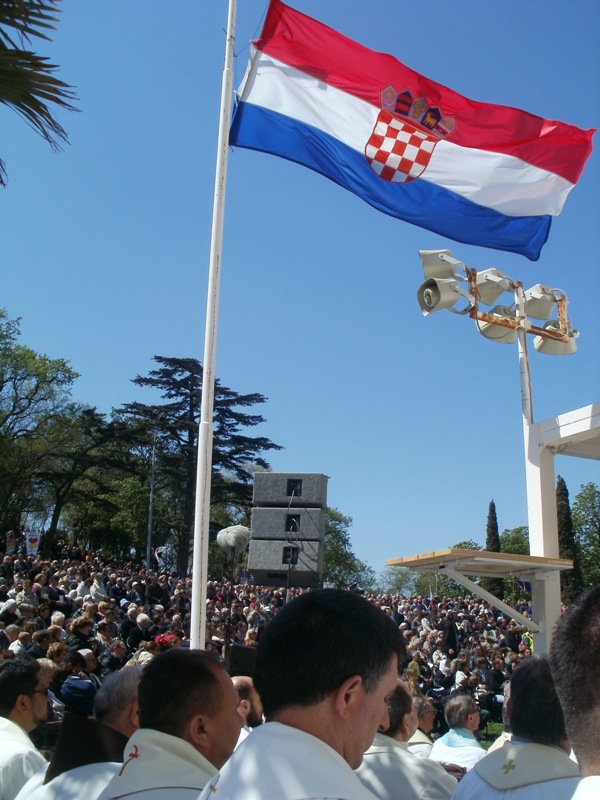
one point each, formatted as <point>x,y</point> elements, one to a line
<point>205,432</point>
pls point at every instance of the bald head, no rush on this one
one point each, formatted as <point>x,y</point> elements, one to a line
<point>250,704</point>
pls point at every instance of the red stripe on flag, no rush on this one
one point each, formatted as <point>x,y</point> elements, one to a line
<point>319,51</point>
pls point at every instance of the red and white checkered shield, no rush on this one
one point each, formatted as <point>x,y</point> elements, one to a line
<point>398,151</point>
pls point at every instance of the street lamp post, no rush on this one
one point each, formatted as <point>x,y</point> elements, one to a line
<point>443,288</point>
<point>151,503</point>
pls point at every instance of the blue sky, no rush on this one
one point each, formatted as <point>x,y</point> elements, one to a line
<point>417,422</point>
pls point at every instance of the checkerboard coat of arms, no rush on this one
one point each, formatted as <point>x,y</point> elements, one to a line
<point>404,136</point>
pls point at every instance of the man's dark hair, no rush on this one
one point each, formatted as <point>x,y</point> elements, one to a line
<point>575,663</point>
<point>76,661</point>
<point>17,676</point>
<point>457,709</point>
<point>39,637</point>
<point>319,640</point>
<point>534,710</point>
<point>175,686</point>
<point>399,705</point>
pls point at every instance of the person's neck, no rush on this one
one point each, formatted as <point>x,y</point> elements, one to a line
<point>311,720</point>
<point>23,722</point>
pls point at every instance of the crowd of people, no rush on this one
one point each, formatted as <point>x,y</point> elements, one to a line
<point>88,628</point>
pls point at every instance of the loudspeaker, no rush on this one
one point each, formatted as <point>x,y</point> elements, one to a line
<point>286,562</point>
<point>241,660</point>
<point>288,523</point>
<point>436,294</point>
<point>288,528</point>
<point>287,489</point>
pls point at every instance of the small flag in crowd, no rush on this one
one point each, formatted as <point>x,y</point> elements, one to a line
<point>475,172</point>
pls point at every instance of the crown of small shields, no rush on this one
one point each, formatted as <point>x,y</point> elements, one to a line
<point>399,150</point>
<point>417,111</point>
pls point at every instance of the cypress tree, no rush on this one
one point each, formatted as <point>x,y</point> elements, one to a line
<point>492,544</point>
<point>571,581</point>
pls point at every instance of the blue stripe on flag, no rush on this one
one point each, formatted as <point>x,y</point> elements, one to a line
<point>418,202</point>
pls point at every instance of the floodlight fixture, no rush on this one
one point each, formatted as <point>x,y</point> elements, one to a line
<point>562,344</point>
<point>439,263</point>
<point>505,324</point>
<point>540,301</point>
<point>491,283</point>
<point>499,325</point>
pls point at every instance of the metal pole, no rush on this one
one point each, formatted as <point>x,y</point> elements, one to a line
<point>526,401</point>
<point>205,432</point>
<point>151,505</point>
<point>541,499</point>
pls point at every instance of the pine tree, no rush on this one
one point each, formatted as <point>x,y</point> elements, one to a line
<point>235,455</point>
<point>492,544</point>
<point>571,581</point>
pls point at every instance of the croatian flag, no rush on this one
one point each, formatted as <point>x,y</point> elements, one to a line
<point>477,173</point>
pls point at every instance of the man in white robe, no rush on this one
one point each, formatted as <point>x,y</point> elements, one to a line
<point>250,705</point>
<point>23,706</point>
<point>535,764</point>
<point>420,743</point>
<point>325,668</point>
<point>90,751</point>
<point>390,771</point>
<point>189,725</point>
<point>575,663</point>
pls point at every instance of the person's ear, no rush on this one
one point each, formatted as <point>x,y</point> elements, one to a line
<point>348,695</point>
<point>196,733</point>
<point>22,704</point>
<point>245,707</point>
<point>134,715</point>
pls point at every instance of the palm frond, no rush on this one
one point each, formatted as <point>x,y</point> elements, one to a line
<point>28,18</point>
<point>27,84</point>
<point>27,81</point>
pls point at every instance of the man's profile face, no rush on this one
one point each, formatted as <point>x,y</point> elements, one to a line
<point>256,710</point>
<point>39,701</point>
<point>371,715</point>
<point>226,723</point>
<point>427,719</point>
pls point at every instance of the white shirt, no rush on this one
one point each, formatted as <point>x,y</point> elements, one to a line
<point>388,764</point>
<point>459,747</point>
<point>158,766</point>
<point>278,762</point>
<point>521,771</point>
<point>19,760</point>
<point>17,647</point>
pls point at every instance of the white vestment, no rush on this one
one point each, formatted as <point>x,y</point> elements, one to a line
<point>459,747</point>
<point>278,762</point>
<point>157,766</point>
<point>388,765</point>
<point>521,771</point>
<point>19,760</point>
<point>82,782</point>
<point>588,788</point>
<point>420,744</point>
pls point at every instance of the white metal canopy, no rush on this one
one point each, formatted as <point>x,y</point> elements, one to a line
<point>457,564</point>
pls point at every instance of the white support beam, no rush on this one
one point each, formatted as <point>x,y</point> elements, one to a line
<point>495,601</point>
